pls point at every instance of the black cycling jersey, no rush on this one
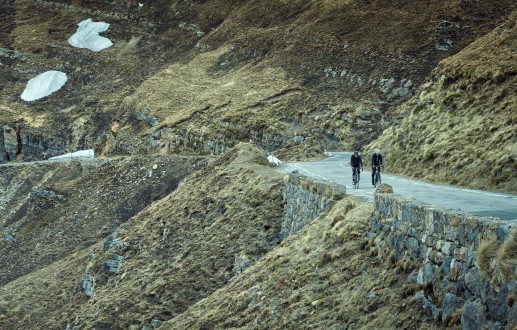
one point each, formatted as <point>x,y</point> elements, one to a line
<point>377,160</point>
<point>356,161</point>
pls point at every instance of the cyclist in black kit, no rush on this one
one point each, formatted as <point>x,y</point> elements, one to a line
<point>356,162</point>
<point>376,163</point>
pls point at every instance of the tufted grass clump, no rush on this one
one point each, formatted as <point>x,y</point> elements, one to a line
<point>487,251</point>
<point>506,258</point>
<point>304,184</point>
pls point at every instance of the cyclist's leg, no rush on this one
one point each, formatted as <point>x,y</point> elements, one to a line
<point>373,175</point>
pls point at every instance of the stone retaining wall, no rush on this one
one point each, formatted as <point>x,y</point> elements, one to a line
<point>443,245</point>
<point>305,199</point>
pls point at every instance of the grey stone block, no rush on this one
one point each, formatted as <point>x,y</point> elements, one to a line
<point>475,282</point>
<point>501,233</point>
<point>113,264</point>
<point>473,315</point>
<point>425,274</point>
<point>87,284</point>
<point>497,305</point>
<point>450,304</point>
<point>427,304</point>
<point>413,246</point>
<point>446,266</point>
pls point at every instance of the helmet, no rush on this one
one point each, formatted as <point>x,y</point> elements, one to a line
<point>377,151</point>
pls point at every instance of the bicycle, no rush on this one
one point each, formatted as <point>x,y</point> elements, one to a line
<point>356,175</point>
<point>377,176</point>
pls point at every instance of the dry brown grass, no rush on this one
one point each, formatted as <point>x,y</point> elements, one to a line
<point>486,254</point>
<point>507,259</point>
<point>461,128</point>
<point>320,277</point>
<point>176,251</point>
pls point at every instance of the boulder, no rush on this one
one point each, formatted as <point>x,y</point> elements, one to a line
<point>87,284</point>
<point>112,265</point>
<point>384,189</point>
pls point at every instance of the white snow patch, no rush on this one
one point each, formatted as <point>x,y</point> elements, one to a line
<point>273,160</point>
<point>78,154</point>
<point>87,36</point>
<point>43,85</point>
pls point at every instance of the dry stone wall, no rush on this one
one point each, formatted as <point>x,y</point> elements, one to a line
<point>444,244</point>
<point>441,245</point>
<point>305,200</point>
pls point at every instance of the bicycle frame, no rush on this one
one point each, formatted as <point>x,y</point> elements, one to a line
<point>377,175</point>
<point>356,176</point>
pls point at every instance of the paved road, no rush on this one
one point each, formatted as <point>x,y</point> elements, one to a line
<point>483,203</point>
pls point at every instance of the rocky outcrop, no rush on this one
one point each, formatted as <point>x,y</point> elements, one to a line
<point>51,209</point>
<point>18,141</point>
<point>4,157</point>
<point>216,141</point>
<point>87,284</point>
<point>10,141</point>
<point>43,199</point>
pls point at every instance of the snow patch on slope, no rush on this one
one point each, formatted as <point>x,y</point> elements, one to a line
<point>43,85</point>
<point>273,160</point>
<point>89,153</point>
<point>87,36</point>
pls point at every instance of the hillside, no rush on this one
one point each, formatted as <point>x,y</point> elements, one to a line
<point>461,128</point>
<point>189,76</point>
<point>321,278</point>
<point>174,252</point>
<point>50,210</point>
<point>190,245</point>
<point>177,223</point>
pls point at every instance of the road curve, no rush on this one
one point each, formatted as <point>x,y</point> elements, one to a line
<point>476,202</point>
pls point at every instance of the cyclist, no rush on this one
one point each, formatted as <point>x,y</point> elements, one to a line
<point>376,163</point>
<point>356,162</point>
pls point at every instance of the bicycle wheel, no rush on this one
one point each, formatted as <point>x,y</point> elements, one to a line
<point>377,177</point>
<point>357,178</point>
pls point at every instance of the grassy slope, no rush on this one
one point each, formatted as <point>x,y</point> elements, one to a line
<point>93,202</point>
<point>247,53</point>
<point>177,251</point>
<point>320,278</point>
<point>240,72</point>
<point>462,127</point>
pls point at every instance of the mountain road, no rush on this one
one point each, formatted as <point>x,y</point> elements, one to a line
<point>337,169</point>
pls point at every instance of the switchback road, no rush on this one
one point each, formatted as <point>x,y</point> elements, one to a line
<point>477,202</point>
